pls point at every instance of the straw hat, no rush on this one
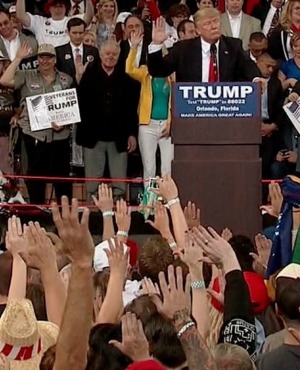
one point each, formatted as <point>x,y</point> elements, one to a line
<point>23,339</point>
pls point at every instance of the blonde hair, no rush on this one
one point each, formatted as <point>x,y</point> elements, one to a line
<point>232,357</point>
<point>216,322</point>
<point>286,14</point>
<point>206,13</point>
<point>99,15</point>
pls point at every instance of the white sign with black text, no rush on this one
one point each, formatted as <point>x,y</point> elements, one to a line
<point>58,108</point>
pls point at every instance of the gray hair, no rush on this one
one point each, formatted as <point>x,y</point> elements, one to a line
<point>110,42</point>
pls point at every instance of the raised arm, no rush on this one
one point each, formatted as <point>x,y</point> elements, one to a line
<point>42,256</point>
<point>137,73</point>
<point>8,77</point>
<point>15,244</point>
<point>23,17</point>
<point>89,12</point>
<point>72,344</point>
<point>105,205</point>
<point>158,65</point>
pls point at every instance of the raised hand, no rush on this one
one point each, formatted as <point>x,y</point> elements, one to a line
<point>192,215</point>
<point>148,288</point>
<point>105,201</point>
<point>166,188</point>
<point>192,254</point>
<point>159,34</point>
<point>276,200</point>
<point>176,298</point>
<point>161,220</point>
<point>117,257</point>
<point>136,38</point>
<point>41,251</point>
<point>79,66</point>
<point>14,240</point>
<point>217,249</point>
<point>263,247</point>
<point>123,216</point>
<point>134,343</point>
<point>75,234</point>
<point>24,51</point>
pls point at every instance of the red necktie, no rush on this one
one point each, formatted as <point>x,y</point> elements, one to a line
<point>213,75</point>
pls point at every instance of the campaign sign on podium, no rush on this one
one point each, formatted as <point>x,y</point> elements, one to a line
<point>216,101</point>
<point>216,133</point>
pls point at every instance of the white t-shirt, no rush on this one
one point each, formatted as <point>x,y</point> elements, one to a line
<point>49,31</point>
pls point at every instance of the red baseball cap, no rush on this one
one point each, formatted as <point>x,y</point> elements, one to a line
<point>258,292</point>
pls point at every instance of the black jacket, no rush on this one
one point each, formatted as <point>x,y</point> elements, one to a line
<point>97,120</point>
<point>185,58</point>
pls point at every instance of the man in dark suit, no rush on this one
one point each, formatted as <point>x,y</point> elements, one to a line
<point>191,59</point>
<point>75,51</point>
<point>133,23</point>
<point>271,112</point>
<point>73,58</point>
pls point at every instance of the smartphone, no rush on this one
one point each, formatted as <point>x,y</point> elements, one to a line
<point>153,183</point>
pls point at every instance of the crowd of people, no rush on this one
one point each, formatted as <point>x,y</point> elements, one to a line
<point>190,297</point>
<point>122,58</point>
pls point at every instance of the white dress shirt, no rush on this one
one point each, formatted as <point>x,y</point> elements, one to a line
<point>138,53</point>
<point>12,46</point>
<point>74,50</point>
<point>205,46</point>
<point>235,24</point>
<point>269,19</point>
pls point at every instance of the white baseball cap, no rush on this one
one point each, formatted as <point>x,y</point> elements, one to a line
<point>100,258</point>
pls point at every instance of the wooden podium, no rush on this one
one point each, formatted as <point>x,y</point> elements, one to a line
<point>216,162</point>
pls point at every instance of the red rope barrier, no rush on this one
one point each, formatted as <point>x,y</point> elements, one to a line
<point>90,206</point>
<point>96,179</point>
<point>82,179</point>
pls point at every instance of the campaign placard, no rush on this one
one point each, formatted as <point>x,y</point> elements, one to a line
<point>219,100</point>
<point>59,108</point>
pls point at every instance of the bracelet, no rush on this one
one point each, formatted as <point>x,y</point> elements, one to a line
<point>173,201</point>
<point>122,233</point>
<point>199,284</point>
<point>108,214</point>
<point>185,328</point>
<point>173,245</point>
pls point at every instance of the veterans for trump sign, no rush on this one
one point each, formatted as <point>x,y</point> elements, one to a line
<point>59,108</point>
<point>219,100</point>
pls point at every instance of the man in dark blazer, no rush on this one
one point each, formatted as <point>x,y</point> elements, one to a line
<point>75,50</point>
<point>133,23</point>
<point>190,59</point>
<point>271,112</point>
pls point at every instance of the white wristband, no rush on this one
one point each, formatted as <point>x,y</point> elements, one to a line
<point>173,245</point>
<point>108,214</point>
<point>185,328</point>
<point>122,233</point>
<point>173,201</point>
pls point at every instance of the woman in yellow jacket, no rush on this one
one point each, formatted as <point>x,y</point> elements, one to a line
<point>154,113</point>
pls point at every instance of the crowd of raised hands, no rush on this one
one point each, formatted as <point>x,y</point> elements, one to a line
<point>180,293</point>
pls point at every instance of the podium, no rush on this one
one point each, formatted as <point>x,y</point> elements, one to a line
<point>216,131</point>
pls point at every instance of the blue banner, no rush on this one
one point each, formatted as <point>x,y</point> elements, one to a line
<point>220,100</point>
